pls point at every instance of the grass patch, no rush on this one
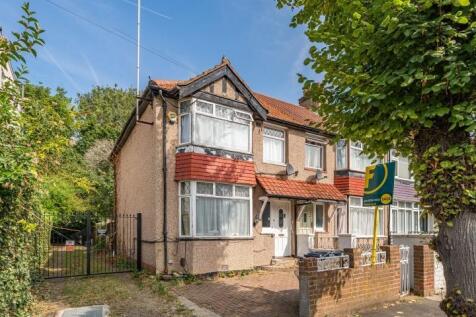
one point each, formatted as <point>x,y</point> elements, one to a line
<point>135,294</point>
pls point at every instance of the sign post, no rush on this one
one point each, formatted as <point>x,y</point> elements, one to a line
<point>378,191</point>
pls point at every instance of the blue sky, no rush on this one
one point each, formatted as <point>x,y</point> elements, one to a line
<point>253,34</point>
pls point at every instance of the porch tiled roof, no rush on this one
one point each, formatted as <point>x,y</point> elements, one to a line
<point>299,189</point>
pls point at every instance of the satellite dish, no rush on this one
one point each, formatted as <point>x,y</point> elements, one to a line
<point>320,174</point>
<point>290,170</point>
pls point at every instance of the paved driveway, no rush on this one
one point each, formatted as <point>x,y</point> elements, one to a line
<point>265,293</point>
<point>276,293</point>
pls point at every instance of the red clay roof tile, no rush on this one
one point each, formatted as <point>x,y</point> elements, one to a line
<point>299,189</point>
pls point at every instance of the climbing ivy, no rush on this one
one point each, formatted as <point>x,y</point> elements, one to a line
<point>18,176</point>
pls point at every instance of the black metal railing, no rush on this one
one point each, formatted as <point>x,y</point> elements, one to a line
<point>88,244</point>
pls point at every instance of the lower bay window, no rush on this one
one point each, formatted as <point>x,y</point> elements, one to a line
<point>407,218</point>
<point>214,210</point>
<point>362,218</point>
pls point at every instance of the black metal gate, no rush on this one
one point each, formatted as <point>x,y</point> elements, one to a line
<point>88,244</point>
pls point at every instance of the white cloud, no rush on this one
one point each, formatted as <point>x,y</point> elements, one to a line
<point>53,60</point>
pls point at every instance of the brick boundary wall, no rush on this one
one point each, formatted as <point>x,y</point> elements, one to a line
<point>343,291</point>
<point>423,270</point>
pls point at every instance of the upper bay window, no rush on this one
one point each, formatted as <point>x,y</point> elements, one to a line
<point>214,210</point>
<point>352,157</point>
<point>214,125</point>
<point>358,160</point>
<point>402,166</point>
<point>274,141</point>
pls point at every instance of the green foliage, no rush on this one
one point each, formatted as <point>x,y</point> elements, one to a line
<point>401,74</point>
<point>18,178</point>
<point>102,114</point>
<point>48,124</point>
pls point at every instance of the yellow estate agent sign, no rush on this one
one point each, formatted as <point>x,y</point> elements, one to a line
<point>378,191</point>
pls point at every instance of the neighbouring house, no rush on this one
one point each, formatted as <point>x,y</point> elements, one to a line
<point>228,179</point>
<point>6,72</point>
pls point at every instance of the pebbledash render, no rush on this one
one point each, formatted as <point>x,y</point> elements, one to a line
<point>228,179</point>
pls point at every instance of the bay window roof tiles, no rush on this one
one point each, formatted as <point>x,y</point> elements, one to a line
<point>286,188</point>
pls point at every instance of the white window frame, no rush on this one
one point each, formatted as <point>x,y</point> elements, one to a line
<point>318,145</point>
<point>180,196</point>
<point>396,158</point>
<point>402,205</point>
<point>346,155</point>
<point>283,139</point>
<point>369,209</point>
<point>194,113</point>
<point>193,203</point>
<point>360,147</point>
<point>190,114</point>
<point>316,228</point>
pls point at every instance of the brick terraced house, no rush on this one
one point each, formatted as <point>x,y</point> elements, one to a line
<point>228,179</point>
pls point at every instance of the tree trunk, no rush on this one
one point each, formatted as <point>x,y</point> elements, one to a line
<point>457,249</point>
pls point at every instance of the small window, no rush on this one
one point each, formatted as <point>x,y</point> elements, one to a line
<point>243,116</point>
<point>204,188</point>
<point>185,122</point>
<point>224,190</point>
<point>319,217</point>
<point>185,188</point>
<point>185,106</point>
<point>273,146</point>
<point>242,191</point>
<point>204,107</point>
<point>281,218</point>
<point>314,155</point>
<point>266,218</point>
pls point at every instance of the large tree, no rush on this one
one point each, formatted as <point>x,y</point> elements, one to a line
<point>103,113</point>
<point>401,74</point>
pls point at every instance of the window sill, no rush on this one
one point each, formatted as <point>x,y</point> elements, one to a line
<point>319,230</point>
<point>405,179</point>
<point>275,163</point>
<point>315,169</point>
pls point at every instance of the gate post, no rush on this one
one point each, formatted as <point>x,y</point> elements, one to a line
<point>88,244</point>
<point>139,241</point>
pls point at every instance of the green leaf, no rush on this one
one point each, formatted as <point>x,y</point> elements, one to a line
<point>462,20</point>
<point>462,3</point>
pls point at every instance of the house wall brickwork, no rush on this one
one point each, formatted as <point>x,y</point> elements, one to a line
<point>343,291</point>
<point>140,188</point>
<point>136,180</point>
<point>424,270</point>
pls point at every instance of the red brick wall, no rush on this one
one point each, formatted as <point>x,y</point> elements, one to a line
<point>350,185</point>
<point>194,166</point>
<point>341,292</point>
<point>423,270</point>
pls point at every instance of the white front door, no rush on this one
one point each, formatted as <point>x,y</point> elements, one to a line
<point>281,226</point>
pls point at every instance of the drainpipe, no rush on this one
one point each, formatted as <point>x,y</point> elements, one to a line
<point>164,178</point>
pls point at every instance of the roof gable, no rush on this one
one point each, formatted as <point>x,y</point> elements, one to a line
<point>186,88</point>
